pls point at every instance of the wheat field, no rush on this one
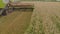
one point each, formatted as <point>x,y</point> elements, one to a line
<point>45,19</point>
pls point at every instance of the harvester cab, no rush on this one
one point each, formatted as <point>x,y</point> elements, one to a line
<point>3,7</point>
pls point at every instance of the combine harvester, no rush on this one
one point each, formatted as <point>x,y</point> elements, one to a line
<point>7,5</point>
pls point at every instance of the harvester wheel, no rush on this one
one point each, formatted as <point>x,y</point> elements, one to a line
<point>4,13</point>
